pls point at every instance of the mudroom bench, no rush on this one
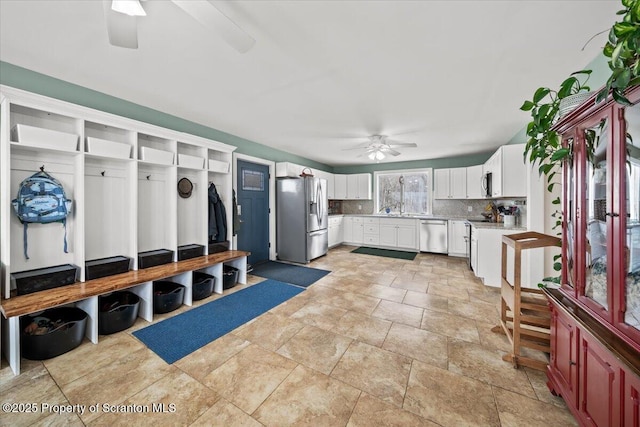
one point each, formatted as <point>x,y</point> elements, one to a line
<point>85,294</point>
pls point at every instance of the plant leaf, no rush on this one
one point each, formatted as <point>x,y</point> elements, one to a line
<point>623,28</point>
<point>619,97</point>
<point>527,106</point>
<point>540,93</point>
<point>560,154</point>
<point>567,86</point>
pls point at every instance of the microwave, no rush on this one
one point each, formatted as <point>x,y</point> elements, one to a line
<point>486,185</point>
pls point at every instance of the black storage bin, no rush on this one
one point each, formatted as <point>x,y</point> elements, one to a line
<point>202,285</point>
<point>153,258</point>
<point>190,251</point>
<point>167,296</point>
<point>117,312</point>
<point>27,282</point>
<point>103,267</point>
<point>53,332</point>
<point>230,275</point>
<point>218,247</point>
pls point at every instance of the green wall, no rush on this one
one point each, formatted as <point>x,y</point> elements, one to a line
<point>449,162</point>
<point>22,78</point>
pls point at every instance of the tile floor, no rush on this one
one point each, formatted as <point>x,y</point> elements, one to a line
<point>378,342</point>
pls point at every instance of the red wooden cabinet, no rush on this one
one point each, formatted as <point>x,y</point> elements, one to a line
<point>595,331</point>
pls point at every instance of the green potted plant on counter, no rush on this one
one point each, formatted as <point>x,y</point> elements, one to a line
<point>623,47</point>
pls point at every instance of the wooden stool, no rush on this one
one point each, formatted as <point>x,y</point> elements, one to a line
<point>524,314</point>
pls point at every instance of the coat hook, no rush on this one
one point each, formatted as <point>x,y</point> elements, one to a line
<point>148,177</point>
<point>42,168</point>
<point>102,173</point>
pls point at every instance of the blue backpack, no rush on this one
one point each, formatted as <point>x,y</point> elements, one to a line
<point>41,199</point>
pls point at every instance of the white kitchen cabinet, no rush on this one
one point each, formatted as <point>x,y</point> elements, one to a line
<point>289,170</point>
<point>353,230</point>
<point>401,233</point>
<point>331,187</point>
<point>474,182</point>
<point>474,250</point>
<point>457,238</point>
<point>359,186</point>
<point>508,171</point>
<point>340,186</point>
<point>336,230</point>
<point>488,257</point>
<point>371,231</point>
<point>450,183</point>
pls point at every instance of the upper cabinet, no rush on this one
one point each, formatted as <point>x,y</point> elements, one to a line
<point>474,182</point>
<point>508,171</point>
<point>340,187</point>
<point>359,186</point>
<point>450,183</point>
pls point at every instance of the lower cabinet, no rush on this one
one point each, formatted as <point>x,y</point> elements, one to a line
<point>353,230</point>
<point>399,233</point>
<point>336,230</point>
<point>599,389</point>
<point>457,238</point>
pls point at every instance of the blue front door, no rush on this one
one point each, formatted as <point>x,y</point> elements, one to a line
<point>253,205</point>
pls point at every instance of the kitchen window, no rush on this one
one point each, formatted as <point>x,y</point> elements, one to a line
<point>404,191</point>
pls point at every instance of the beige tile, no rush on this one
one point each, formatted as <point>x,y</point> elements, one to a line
<point>90,357</point>
<point>480,311</point>
<point>367,329</point>
<point>417,344</point>
<point>450,325</point>
<point>308,398</point>
<point>34,387</point>
<point>352,301</point>
<point>320,315</point>
<point>519,411</point>
<point>449,399</point>
<point>249,377</point>
<point>28,369</point>
<point>384,292</point>
<point>124,377</point>
<point>176,399</point>
<point>444,290</point>
<point>373,412</point>
<point>483,364</point>
<point>416,285</point>
<point>425,300</point>
<point>315,348</point>
<point>538,380</point>
<point>289,307</point>
<point>206,359</point>
<point>447,271</point>
<point>378,372</point>
<point>399,313</point>
<point>491,339</point>
<point>225,414</point>
<point>270,330</point>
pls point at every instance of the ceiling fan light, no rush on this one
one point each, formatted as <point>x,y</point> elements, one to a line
<point>128,7</point>
<point>379,155</point>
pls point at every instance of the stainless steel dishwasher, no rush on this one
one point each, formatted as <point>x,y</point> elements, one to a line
<point>433,236</point>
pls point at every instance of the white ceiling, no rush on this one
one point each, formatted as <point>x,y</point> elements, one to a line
<point>323,75</point>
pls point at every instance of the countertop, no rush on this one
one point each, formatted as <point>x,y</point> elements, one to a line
<point>475,222</point>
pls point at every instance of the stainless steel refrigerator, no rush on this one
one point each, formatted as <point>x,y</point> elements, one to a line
<point>301,219</point>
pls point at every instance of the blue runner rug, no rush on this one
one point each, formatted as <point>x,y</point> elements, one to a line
<point>287,273</point>
<point>180,335</point>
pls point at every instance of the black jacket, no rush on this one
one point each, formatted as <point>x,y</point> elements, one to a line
<point>217,216</point>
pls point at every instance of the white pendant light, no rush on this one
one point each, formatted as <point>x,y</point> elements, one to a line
<point>128,7</point>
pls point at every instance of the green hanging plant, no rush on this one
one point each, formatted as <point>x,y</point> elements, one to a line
<point>623,47</point>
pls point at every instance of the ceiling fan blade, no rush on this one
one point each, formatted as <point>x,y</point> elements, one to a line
<point>390,151</point>
<point>122,29</point>
<point>213,19</point>
<point>401,144</point>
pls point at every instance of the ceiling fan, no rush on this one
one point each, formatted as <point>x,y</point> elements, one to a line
<point>379,147</point>
<point>122,15</point>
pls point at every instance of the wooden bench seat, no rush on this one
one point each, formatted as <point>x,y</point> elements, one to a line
<point>85,294</point>
<point>38,301</point>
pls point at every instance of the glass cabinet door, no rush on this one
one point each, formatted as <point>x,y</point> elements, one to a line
<point>596,179</point>
<point>631,221</point>
<point>569,203</point>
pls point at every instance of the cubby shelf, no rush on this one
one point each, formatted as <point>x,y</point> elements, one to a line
<point>121,175</point>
